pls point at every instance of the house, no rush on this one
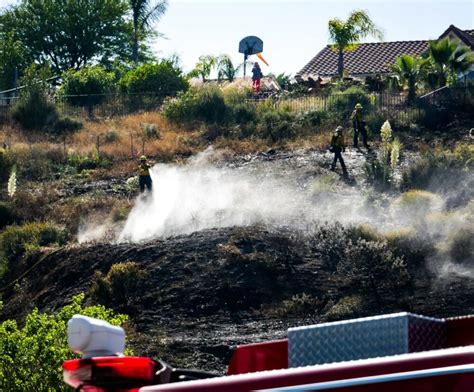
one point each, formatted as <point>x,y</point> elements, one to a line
<point>372,59</point>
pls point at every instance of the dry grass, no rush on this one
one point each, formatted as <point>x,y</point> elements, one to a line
<point>132,141</point>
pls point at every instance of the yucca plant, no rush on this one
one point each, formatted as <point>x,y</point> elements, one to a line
<point>11,187</point>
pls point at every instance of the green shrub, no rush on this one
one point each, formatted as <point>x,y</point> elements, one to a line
<point>243,113</point>
<point>17,241</point>
<point>205,104</point>
<point>373,266</point>
<point>374,121</point>
<point>347,307</point>
<point>298,305</point>
<point>5,165</point>
<point>111,136</point>
<point>210,105</point>
<point>413,206</point>
<point>34,163</point>
<point>65,124</point>
<point>31,356</point>
<point>150,131</point>
<point>342,104</point>
<point>461,246</point>
<point>330,242</point>
<point>34,110</point>
<point>277,125</point>
<point>7,214</point>
<point>82,162</point>
<point>439,169</point>
<point>120,286</point>
<point>91,82</point>
<point>410,245</point>
<point>313,118</point>
<point>164,77</point>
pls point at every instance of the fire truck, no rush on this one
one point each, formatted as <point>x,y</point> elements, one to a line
<point>393,352</point>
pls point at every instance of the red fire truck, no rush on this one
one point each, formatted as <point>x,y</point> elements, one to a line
<point>394,352</point>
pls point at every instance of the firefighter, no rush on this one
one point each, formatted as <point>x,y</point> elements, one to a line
<point>337,147</point>
<point>256,76</point>
<point>144,177</point>
<point>358,124</point>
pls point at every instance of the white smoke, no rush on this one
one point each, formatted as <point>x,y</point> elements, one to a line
<point>200,195</point>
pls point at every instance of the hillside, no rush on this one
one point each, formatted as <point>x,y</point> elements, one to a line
<point>252,244</point>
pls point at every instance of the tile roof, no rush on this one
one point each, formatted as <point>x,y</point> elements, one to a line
<point>370,58</point>
<point>467,36</point>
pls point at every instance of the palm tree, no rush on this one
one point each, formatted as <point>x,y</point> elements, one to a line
<point>407,72</point>
<point>204,67</point>
<point>347,34</point>
<point>449,59</point>
<point>226,69</point>
<point>144,13</point>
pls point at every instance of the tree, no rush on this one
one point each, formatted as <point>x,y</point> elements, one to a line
<point>94,81</point>
<point>449,58</point>
<point>164,77</point>
<point>408,73</point>
<point>144,13</point>
<point>34,109</point>
<point>226,69</point>
<point>204,67</point>
<point>31,356</point>
<point>13,60</point>
<point>347,34</point>
<point>66,33</point>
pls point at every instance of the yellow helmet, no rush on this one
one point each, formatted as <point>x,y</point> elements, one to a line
<point>358,106</point>
<point>143,158</point>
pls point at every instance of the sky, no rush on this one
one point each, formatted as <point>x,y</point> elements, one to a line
<point>293,31</point>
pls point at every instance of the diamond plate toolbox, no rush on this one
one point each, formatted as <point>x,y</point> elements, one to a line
<point>361,338</point>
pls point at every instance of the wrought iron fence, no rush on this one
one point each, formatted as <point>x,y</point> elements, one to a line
<point>393,107</point>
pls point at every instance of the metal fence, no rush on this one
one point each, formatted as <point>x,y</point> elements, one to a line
<point>390,106</point>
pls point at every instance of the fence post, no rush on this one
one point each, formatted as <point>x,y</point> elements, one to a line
<point>98,145</point>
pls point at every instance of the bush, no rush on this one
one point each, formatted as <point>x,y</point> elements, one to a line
<point>206,104</point>
<point>111,136</point>
<point>413,206</point>
<point>330,242</point>
<point>313,118</point>
<point>407,243</point>
<point>31,356</point>
<point>35,163</point>
<point>120,286</point>
<point>342,104</point>
<point>277,125</point>
<point>150,131</point>
<point>298,305</point>
<point>461,247</point>
<point>17,241</point>
<point>65,125</point>
<point>210,105</point>
<point>34,110</point>
<point>347,307</point>
<point>82,162</point>
<point>93,81</point>
<point>373,266</point>
<point>439,169</point>
<point>164,77</point>
<point>7,214</point>
<point>243,113</point>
